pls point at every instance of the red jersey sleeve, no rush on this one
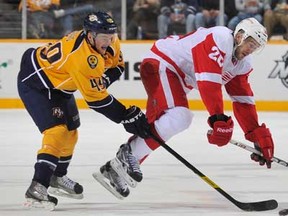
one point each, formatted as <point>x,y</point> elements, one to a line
<point>208,63</point>
<point>243,102</point>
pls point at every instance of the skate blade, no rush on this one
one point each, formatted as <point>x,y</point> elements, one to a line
<point>62,193</point>
<point>32,203</point>
<point>118,168</point>
<point>101,179</point>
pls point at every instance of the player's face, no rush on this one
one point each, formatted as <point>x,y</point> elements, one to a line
<point>102,41</point>
<point>247,47</point>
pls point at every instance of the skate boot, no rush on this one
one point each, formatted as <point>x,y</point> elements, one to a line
<point>127,166</point>
<point>109,179</point>
<point>37,197</point>
<point>65,187</point>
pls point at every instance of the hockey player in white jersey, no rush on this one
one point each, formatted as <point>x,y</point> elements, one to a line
<point>206,60</point>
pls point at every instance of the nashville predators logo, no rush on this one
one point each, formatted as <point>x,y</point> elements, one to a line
<point>93,17</point>
<point>280,70</point>
<point>110,20</point>
<point>92,61</point>
<point>57,112</point>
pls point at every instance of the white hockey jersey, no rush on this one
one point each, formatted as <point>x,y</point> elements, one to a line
<point>204,60</point>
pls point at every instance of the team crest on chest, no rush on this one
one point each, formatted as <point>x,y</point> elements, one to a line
<point>92,61</point>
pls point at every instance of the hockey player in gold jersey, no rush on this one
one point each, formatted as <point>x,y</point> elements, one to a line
<point>88,60</point>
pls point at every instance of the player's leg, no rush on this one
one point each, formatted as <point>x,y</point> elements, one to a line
<point>60,183</point>
<point>39,108</point>
<point>167,112</point>
<point>126,164</point>
<point>109,179</point>
<point>49,115</point>
<point>37,104</point>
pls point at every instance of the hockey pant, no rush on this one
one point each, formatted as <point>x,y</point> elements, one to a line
<point>167,106</point>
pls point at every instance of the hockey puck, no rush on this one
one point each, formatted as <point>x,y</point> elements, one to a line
<point>283,212</point>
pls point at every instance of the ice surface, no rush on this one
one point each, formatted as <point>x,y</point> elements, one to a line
<point>168,188</point>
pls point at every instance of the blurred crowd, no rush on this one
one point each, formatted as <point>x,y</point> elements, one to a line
<point>151,19</point>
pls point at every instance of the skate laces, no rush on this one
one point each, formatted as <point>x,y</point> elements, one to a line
<point>117,180</point>
<point>130,159</point>
<point>133,163</point>
<point>66,182</point>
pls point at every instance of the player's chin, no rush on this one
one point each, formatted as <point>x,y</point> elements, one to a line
<point>104,48</point>
<point>241,56</point>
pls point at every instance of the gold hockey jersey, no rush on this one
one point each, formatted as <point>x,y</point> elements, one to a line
<point>71,64</point>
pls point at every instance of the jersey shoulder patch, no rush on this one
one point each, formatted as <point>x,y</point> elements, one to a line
<point>92,61</point>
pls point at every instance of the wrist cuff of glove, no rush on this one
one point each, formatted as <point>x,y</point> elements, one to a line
<point>258,133</point>
<point>217,117</point>
<point>133,113</point>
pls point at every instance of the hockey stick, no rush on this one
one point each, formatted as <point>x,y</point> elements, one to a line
<point>251,206</point>
<point>253,150</point>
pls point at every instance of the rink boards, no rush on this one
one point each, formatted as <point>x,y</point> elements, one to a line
<point>269,79</point>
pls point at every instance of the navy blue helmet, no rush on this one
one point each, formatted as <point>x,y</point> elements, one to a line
<point>99,22</point>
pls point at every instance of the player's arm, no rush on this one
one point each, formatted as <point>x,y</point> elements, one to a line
<point>98,99</point>
<point>133,119</point>
<point>114,63</point>
<point>208,62</point>
<point>112,74</point>
<point>245,112</point>
<point>244,107</point>
<point>95,94</point>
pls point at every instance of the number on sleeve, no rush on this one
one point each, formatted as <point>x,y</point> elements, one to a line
<point>52,52</point>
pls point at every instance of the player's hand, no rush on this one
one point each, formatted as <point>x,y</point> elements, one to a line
<point>222,126</point>
<point>135,122</point>
<point>263,142</point>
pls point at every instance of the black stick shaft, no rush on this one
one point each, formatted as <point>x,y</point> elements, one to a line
<point>254,206</point>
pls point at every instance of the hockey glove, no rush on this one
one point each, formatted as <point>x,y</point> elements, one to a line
<point>263,142</point>
<point>135,122</point>
<point>222,129</point>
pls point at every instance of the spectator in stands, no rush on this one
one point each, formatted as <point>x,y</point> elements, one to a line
<point>43,17</point>
<point>209,15</point>
<point>40,22</point>
<point>276,13</point>
<point>142,25</point>
<point>176,12</point>
<point>230,9</point>
<point>246,8</point>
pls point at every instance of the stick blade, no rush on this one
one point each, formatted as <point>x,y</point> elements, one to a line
<point>258,206</point>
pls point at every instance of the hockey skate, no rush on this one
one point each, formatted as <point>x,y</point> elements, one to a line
<point>65,187</point>
<point>127,166</point>
<point>109,179</point>
<point>37,197</point>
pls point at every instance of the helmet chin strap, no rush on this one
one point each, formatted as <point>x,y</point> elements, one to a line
<point>94,46</point>
<point>235,47</point>
<point>234,51</point>
<point>94,41</point>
